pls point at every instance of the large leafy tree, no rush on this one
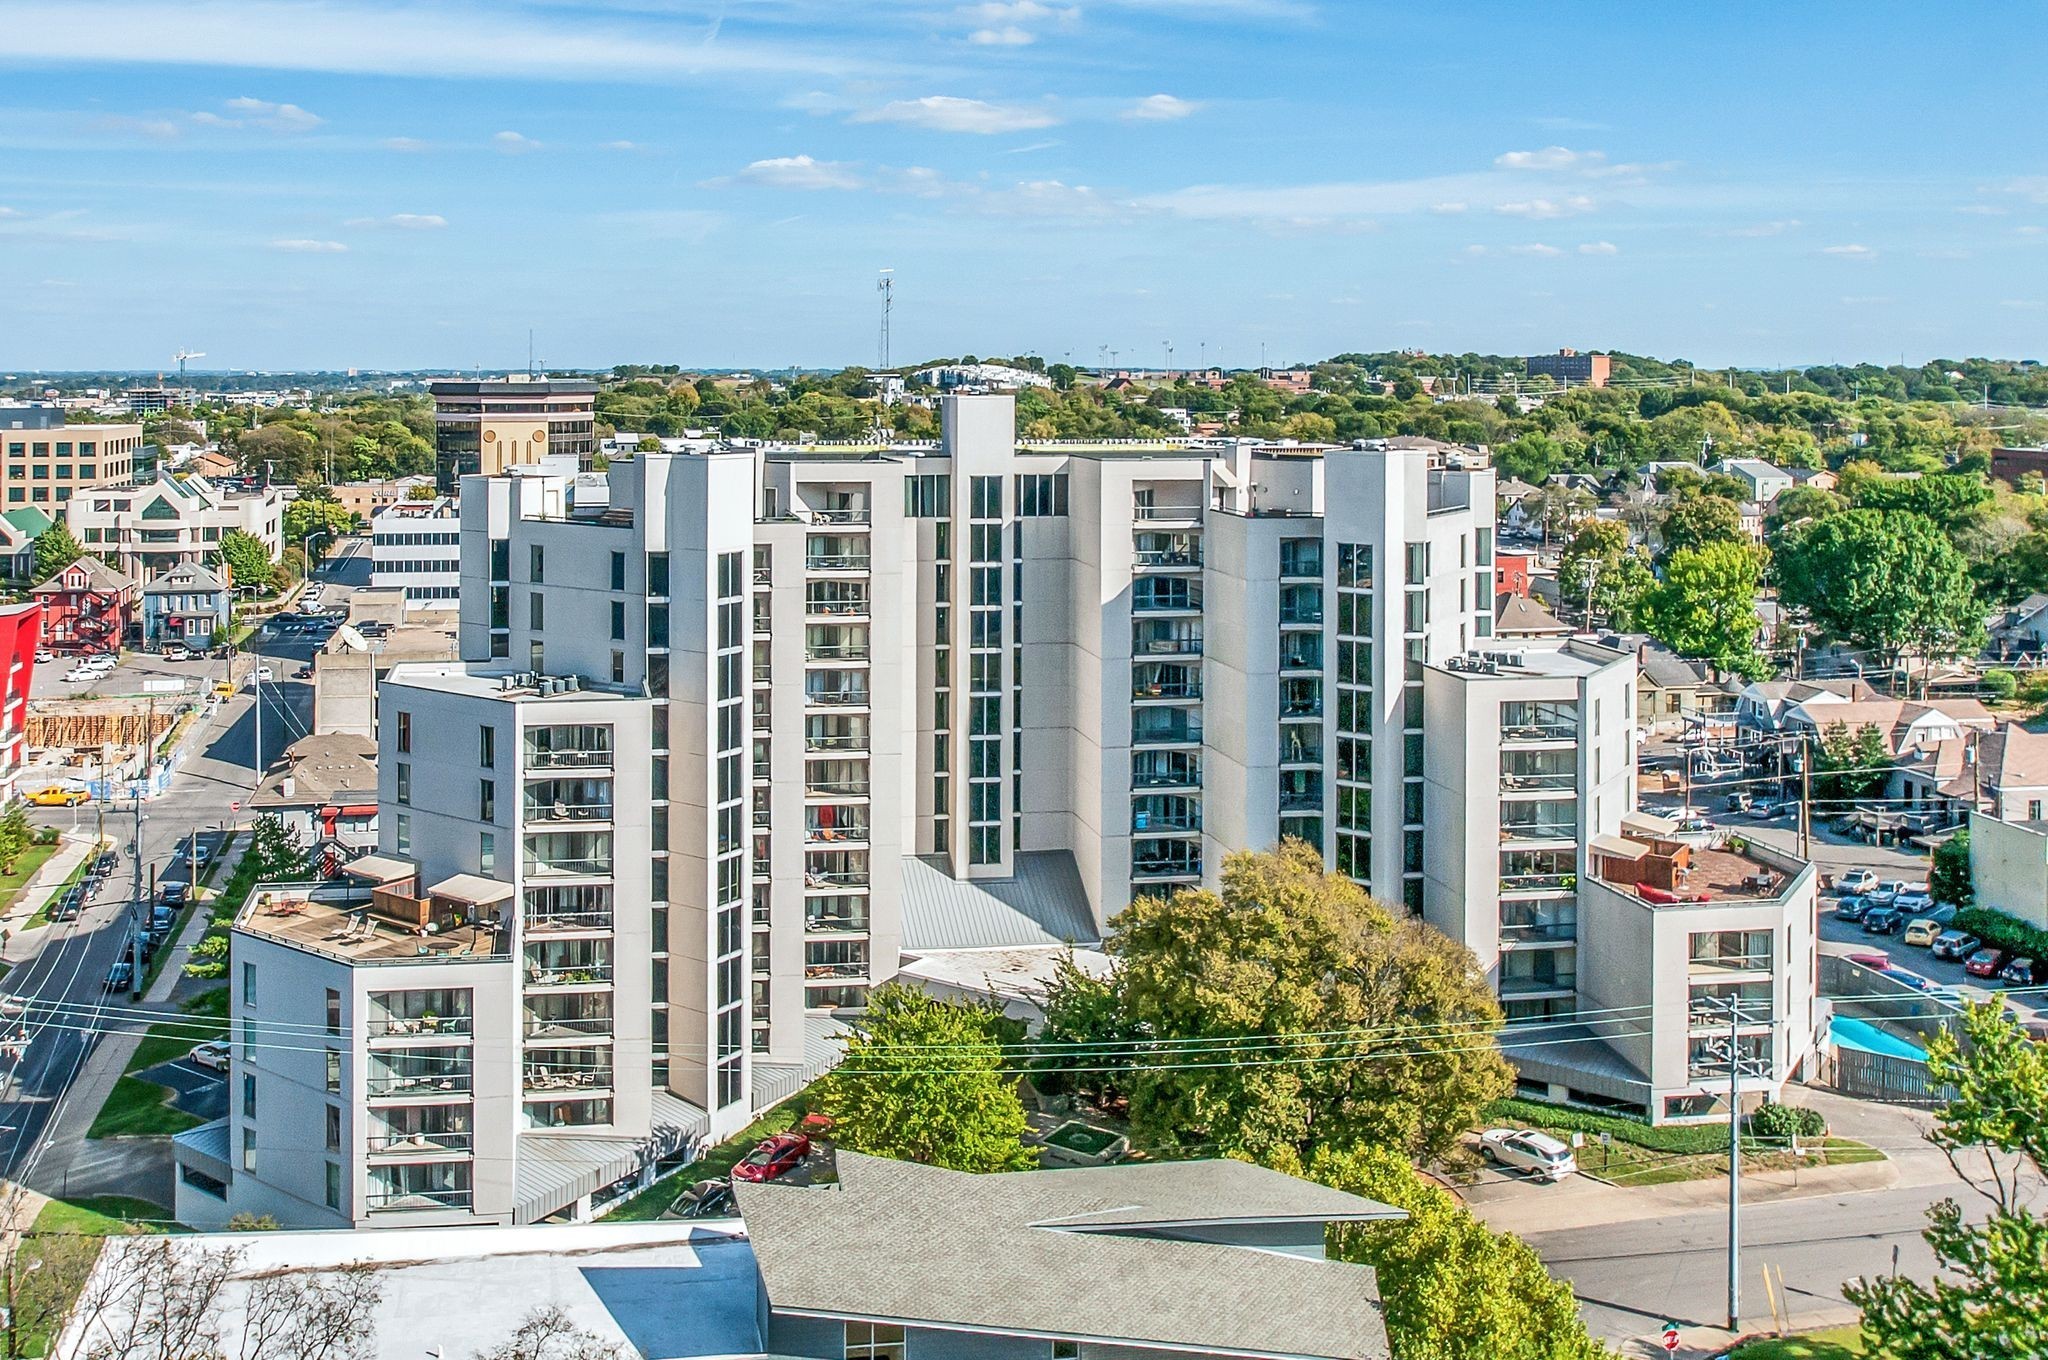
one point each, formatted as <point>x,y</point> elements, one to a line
<point>1321,1018</point>
<point>924,1081</point>
<point>1849,765</point>
<point>327,518</point>
<point>1947,498</point>
<point>1699,520</point>
<point>1452,1288</point>
<point>1991,1299</point>
<point>55,550</point>
<point>1705,607</point>
<point>1889,581</point>
<point>247,558</point>
<point>1949,878</point>
<point>1601,572</point>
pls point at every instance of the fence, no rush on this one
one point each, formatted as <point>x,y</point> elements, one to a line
<point>1880,1076</point>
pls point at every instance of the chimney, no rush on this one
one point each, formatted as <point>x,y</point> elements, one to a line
<point>289,787</point>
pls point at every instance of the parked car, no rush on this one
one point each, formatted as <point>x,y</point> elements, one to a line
<point>1955,944</point>
<point>58,796</point>
<point>175,894</point>
<point>1887,892</point>
<point>1852,907</point>
<point>773,1158</point>
<point>1918,902</point>
<point>120,976</point>
<point>1881,920</point>
<point>1737,802</point>
<point>1921,932</point>
<point>212,1054</point>
<point>705,1199</point>
<point>1986,962</point>
<point>201,853</point>
<point>2024,972</point>
<point>177,651</point>
<point>303,673</point>
<point>162,918</point>
<point>106,863</point>
<point>1857,881</point>
<point>1539,1154</point>
<point>44,656</point>
<point>1767,809</point>
<point>262,674</point>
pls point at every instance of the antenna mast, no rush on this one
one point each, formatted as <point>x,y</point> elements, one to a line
<point>886,286</point>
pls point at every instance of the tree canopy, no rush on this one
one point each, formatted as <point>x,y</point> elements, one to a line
<point>924,1080</point>
<point>1601,572</point>
<point>1886,580</point>
<point>56,549</point>
<point>1705,607</point>
<point>1326,1018</point>
<point>247,559</point>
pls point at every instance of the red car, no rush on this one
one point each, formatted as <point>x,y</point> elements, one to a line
<point>1985,963</point>
<point>773,1158</point>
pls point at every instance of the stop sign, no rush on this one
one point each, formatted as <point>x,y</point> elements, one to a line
<point>1670,1336</point>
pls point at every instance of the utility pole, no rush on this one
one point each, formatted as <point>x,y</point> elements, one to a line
<point>1734,1168</point>
<point>886,286</point>
<point>1805,759</point>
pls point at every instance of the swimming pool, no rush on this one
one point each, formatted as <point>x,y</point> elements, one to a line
<point>1868,1038</point>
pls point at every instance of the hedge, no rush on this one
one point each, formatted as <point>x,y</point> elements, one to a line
<point>2004,932</point>
<point>1659,1137</point>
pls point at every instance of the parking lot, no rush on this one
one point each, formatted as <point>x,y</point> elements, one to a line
<point>131,677</point>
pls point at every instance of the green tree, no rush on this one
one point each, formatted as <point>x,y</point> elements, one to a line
<point>1849,765</point>
<point>326,519</point>
<point>1452,1288</point>
<point>1889,581</point>
<point>924,1081</point>
<point>17,833</point>
<point>1799,504</point>
<point>1531,457</point>
<point>1602,573</point>
<point>1699,520</point>
<point>1949,879</point>
<point>55,550</point>
<point>1705,607</point>
<point>1082,1010</point>
<point>247,559</point>
<point>276,849</point>
<point>1987,1304</point>
<point>1327,1018</point>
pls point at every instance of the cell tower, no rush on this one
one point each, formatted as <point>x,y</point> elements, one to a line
<point>886,286</point>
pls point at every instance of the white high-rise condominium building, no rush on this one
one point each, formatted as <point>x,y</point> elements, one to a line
<point>737,732</point>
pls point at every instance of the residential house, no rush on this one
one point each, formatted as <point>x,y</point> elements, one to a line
<point>187,604</point>
<point>1820,479</point>
<point>211,464</point>
<point>19,530</point>
<point>1199,1259</point>
<point>1518,506</point>
<point>324,791</point>
<point>2022,629</point>
<point>1673,693</point>
<point>87,607</point>
<point>1765,482</point>
<point>2002,773</point>
<point>1904,724</point>
<point>1762,705</point>
<point>1511,572</point>
<point>1518,616</point>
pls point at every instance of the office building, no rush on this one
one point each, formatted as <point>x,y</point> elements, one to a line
<point>1572,368</point>
<point>487,426</point>
<point>415,548</point>
<point>48,459</point>
<point>173,521</point>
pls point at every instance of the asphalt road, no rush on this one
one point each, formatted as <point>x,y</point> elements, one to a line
<point>68,975</point>
<point>1632,1276</point>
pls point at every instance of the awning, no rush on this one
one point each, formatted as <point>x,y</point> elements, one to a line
<point>352,810</point>
<point>380,868</point>
<point>474,889</point>
<point>1650,824</point>
<point>1618,847</point>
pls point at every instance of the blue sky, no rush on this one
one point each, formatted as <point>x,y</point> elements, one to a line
<point>325,183</point>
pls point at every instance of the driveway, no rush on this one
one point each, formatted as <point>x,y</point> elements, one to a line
<point>199,1091</point>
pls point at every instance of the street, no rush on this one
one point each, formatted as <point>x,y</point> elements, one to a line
<point>42,1138</point>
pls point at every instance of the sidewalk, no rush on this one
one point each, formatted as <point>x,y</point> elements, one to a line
<point>69,1159</point>
<point>72,849</point>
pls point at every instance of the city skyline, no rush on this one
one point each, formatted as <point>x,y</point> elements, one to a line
<point>361,184</point>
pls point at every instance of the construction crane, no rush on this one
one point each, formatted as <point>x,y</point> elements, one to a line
<point>181,356</point>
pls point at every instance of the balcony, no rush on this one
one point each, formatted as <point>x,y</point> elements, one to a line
<point>843,606</point>
<point>1166,868</point>
<point>1539,883</point>
<point>569,923</point>
<point>1150,816</point>
<point>386,1201</point>
<point>567,854</point>
<point>1148,644</point>
<point>1301,744</point>
<point>1163,598</point>
<point>591,974</point>
<point>1538,933</point>
<point>422,1027</point>
<point>1302,563</point>
<point>852,696</point>
<point>1168,559</point>
<point>1543,830</point>
<point>547,1078</point>
<point>1187,731</point>
<point>577,749</point>
<point>825,917</point>
<point>835,972</point>
<point>1190,514</point>
<point>1298,655</point>
<point>541,805</point>
<point>1523,986</point>
<point>838,787</point>
<point>1524,724</point>
<point>834,561</point>
<point>835,741</point>
<point>845,832</point>
<point>561,1029</point>
<point>441,1144</point>
<point>1182,774</point>
<point>423,1078</point>
<point>1151,681</point>
<point>1310,801</point>
<point>857,515</point>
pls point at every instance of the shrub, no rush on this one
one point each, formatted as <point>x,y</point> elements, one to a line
<point>1781,1123</point>
<point>2002,684</point>
<point>2004,932</point>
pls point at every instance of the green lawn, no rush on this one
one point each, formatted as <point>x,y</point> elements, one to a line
<point>1644,1154</point>
<point>101,1215</point>
<point>77,876</point>
<point>137,1108</point>
<point>24,869</point>
<point>647,1205</point>
<point>1840,1343</point>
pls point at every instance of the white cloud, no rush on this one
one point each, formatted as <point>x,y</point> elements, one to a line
<point>1029,147</point>
<point>1850,252</point>
<point>1476,250</point>
<point>404,144</point>
<point>1983,210</point>
<point>402,221</point>
<point>397,38</point>
<point>2033,188</point>
<point>300,246</point>
<point>1549,158</point>
<point>1543,209</point>
<point>1160,108</point>
<point>260,113</point>
<point>1599,248</point>
<point>6,212</point>
<point>513,143</point>
<point>798,172</point>
<point>1777,228</point>
<point>1535,248</point>
<point>949,113</point>
<point>1009,35</point>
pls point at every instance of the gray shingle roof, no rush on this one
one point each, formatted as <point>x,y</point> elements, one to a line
<point>1066,1254</point>
<point>1043,904</point>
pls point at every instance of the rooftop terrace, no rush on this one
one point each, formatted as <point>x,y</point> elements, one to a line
<point>361,922</point>
<point>1677,869</point>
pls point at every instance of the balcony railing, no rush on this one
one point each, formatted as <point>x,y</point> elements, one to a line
<point>1185,689</point>
<point>1168,646</point>
<point>1301,802</point>
<point>1529,783</point>
<point>854,516</point>
<point>1148,513</point>
<point>846,788</point>
<point>1166,734</point>
<point>420,1144</point>
<point>1543,932</point>
<point>836,925</point>
<point>1709,1014</point>
<point>1164,602</point>
<point>1300,659</point>
<point>405,1084</point>
<point>837,651</point>
<point>1538,882</point>
<point>836,698</point>
<point>541,1078</point>
<point>1168,558</point>
<point>435,1026</point>
<point>1301,566</point>
<point>382,1201</point>
<point>1166,868</point>
<point>1302,708</point>
<point>542,1028</point>
<point>1548,731</point>
<point>569,759</point>
<point>823,971</point>
<point>1167,779</point>
<point>1536,984</point>
<point>1540,831</point>
<point>582,975</point>
<point>554,810</point>
<point>1148,823</point>
<point>835,742</point>
<point>828,835</point>
<point>817,881</point>
<point>1301,616</point>
<point>555,922</point>
<point>1731,963</point>
<point>837,561</point>
<point>832,609</point>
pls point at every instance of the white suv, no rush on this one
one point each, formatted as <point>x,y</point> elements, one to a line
<point>1527,1150</point>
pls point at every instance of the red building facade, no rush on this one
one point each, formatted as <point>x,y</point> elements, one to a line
<point>21,631</point>
<point>88,607</point>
